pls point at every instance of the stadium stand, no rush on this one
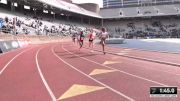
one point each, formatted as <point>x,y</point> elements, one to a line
<point>33,25</point>
<point>140,11</point>
<point>167,9</point>
<point>145,27</point>
<point>70,7</point>
<point>62,18</point>
<point>42,21</point>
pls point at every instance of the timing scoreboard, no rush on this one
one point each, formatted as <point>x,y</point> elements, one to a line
<point>163,91</point>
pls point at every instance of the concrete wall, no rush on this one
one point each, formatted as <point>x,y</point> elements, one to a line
<point>90,7</point>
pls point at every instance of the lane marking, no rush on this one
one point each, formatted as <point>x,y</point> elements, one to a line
<point>100,71</point>
<point>122,53</point>
<point>169,72</point>
<point>110,62</point>
<point>133,75</point>
<point>140,49</point>
<point>77,90</point>
<point>110,88</point>
<point>5,67</point>
<point>117,57</point>
<point>43,79</point>
<point>141,58</point>
<point>159,70</point>
<point>128,49</point>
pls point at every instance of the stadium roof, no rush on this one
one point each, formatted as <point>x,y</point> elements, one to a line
<point>69,7</point>
<point>58,5</point>
<point>110,13</point>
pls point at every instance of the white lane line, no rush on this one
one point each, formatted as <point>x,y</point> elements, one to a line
<point>43,79</point>
<point>117,69</point>
<point>159,70</point>
<point>2,70</point>
<point>110,88</point>
<point>142,58</point>
<point>169,72</point>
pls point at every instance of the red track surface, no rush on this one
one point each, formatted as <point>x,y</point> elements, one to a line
<point>46,72</point>
<point>166,57</point>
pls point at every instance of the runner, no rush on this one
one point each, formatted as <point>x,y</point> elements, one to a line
<point>91,39</point>
<point>81,39</point>
<point>77,37</point>
<point>103,37</point>
<point>74,37</point>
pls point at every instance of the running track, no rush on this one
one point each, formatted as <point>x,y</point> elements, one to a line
<point>53,72</point>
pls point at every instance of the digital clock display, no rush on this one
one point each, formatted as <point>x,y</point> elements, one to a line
<point>167,90</point>
<point>163,91</point>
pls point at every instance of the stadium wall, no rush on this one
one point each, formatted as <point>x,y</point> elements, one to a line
<point>6,46</point>
<point>90,7</point>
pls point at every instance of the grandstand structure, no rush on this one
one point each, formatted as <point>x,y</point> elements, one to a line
<point>155,18</point>
<point>138,8</point>
<point>91,13</point>
<point>120,17</point>
<point>125,3</point>
<point>63,9</point>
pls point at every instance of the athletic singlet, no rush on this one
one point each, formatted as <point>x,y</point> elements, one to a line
<point>104,34</point>
<point>81,37</point>
<point>91,36</point>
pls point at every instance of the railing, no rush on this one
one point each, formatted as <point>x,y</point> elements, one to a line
<point>5,35</point>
